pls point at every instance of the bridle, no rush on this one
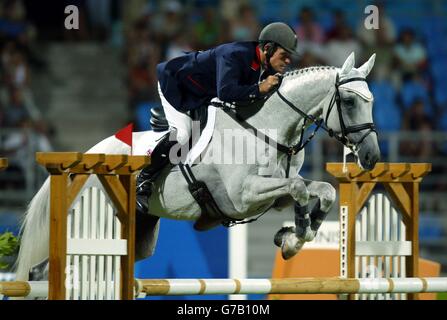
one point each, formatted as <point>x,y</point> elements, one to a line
<point>342,137</point>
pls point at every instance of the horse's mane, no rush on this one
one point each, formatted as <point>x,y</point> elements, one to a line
<point>303,71</point>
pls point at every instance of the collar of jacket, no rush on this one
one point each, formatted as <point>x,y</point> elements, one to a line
<point>256,63</point>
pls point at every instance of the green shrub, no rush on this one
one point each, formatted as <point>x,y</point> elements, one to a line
<point>8,245</point>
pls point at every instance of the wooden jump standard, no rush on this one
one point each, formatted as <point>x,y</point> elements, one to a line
<point>401,183</point>
<point>69,171</point>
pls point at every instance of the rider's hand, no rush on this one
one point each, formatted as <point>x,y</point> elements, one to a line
<point>268,84</point>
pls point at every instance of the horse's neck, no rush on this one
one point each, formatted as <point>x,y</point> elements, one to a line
<point>308,90</point>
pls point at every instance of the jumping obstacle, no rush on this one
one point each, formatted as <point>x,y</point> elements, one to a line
<point>173,287</point>
<point>92,240</point>
<point>66,193</point>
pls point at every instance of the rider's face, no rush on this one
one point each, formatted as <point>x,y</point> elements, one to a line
<point>280,60</point>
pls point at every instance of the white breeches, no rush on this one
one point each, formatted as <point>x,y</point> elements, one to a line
<point>176,119</point>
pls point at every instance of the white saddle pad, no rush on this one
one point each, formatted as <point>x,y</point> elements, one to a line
<point>149,139</point>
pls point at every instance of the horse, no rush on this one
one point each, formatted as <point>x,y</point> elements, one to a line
<point>335,99</point>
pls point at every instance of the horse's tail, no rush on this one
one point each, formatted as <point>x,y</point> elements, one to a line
<point>35,231</point>
<point>35,228</point>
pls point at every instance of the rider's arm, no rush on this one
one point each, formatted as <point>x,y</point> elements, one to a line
<point>228,75</point>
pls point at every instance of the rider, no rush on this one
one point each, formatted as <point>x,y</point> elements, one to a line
<point>233,72</point>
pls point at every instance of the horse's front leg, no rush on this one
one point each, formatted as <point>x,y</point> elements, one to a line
<point>258,190</point>
<point>308,222</point>
<point>291,239</point>
<point>326,195</point>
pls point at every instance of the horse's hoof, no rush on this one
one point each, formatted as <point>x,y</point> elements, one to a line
<point>291,245</point>
<point>278,239</point>
<point>306,235</point>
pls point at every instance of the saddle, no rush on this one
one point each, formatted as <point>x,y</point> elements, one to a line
<point>160,158</point>
<point>159,123</point>
<point>158,120</point>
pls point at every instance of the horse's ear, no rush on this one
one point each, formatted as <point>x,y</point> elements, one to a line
<point>367,66</point>
<point>348,65</point>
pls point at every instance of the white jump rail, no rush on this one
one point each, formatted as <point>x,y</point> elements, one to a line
<point>157,287</point>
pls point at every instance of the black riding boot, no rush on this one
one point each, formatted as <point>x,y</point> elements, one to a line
<point>159,159</point>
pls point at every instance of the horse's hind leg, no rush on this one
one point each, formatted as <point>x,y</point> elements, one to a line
<point>146,235</point>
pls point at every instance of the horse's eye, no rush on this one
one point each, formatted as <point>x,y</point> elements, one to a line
<point>349,102</point>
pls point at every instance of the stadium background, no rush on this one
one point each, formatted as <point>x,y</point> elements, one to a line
<point>65,90</point>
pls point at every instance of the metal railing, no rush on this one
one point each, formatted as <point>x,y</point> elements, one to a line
<point>392,148</point>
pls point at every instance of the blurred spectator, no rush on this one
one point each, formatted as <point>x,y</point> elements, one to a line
<point>17,70</point>
<point>134,10</point>
<point>245,27</point>
<point>310,34</point>
<point>308,30</point>
<point>15,113</point>
<point>224,36</point>
<point>43,134</point>
<point>416,119</point>
<point>15,147</point>
<point>307,59</point>
<point>15,142</point>
<point>380,41</point>
<point>178,46</point>
<point>7,52</point>
<point>12,24</point>
<point>338,23</point>
<point>206,30</point>
<point>170,23</point>
<point>143,55</point>
<point>338,49</point>
<point>415,89</point>
<point>384,35</point>
<point>410,54</point>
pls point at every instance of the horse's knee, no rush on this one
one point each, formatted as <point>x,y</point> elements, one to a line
<point>299,192</point>
<point>328,196</point>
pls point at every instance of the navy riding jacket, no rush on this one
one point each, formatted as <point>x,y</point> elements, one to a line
<point>229,71</point>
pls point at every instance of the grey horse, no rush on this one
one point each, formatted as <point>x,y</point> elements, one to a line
<point>241,189</point>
